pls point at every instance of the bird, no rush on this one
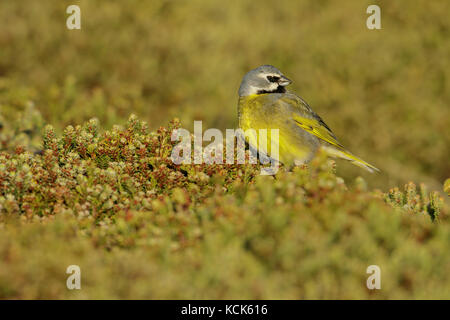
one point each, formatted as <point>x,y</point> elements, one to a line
<point>264,103</point>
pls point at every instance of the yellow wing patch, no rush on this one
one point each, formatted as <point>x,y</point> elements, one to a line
<point>314,127</point>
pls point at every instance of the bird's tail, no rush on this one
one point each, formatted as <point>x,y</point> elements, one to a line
<point>343,154</point>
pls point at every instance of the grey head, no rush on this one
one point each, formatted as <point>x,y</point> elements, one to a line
<point>264,79</point>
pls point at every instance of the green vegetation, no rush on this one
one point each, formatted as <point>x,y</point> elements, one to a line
<point>141,227</point>
<point>109,199</point>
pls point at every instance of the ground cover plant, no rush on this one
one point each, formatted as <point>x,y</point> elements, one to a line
<point>139,226</point>
<point>84,183</point>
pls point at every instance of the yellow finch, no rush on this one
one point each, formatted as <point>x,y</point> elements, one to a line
<point>264,103</point>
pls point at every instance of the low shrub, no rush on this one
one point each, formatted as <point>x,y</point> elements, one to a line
<point>140,226</point>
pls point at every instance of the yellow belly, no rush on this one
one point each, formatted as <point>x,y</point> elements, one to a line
<point>291,144</point>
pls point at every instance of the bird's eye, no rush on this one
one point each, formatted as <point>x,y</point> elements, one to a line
<point>273,78</point>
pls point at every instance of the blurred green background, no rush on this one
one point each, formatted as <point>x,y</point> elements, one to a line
<point>385,93</point>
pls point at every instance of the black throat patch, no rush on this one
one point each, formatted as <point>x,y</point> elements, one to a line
<point>279,89</point>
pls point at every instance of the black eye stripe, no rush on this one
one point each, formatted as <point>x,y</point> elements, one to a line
<point>273,78</point>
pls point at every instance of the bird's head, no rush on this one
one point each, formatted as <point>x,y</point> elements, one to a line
<point>264,79</point>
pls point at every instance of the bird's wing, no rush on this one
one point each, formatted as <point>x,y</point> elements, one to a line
<point>308,120</point>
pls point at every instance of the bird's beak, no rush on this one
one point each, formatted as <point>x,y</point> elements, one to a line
<point>284,81</point>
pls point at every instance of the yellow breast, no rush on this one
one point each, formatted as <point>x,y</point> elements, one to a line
<point>290,143</point>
